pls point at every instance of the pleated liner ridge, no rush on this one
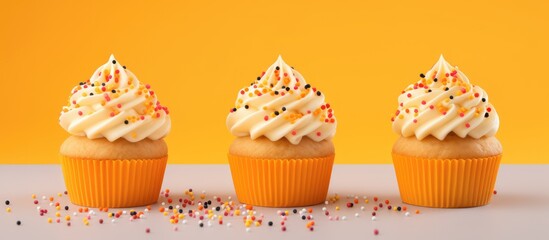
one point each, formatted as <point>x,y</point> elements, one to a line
<point>113,183</point>
<point>281,182</point>
<point>446,183</point>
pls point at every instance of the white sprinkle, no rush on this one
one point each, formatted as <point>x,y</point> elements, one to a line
<point>229,225</point>
<point>324,209</point>
<point>51,204</point>
<point>113,220</point>
<point>248,229</point>
<point>344,218</point>
<point>38,208</point>
<point>326,202</point>
<point>362,208</point>
<point>374,218</point>
<point>200,221</point>
<point>229,198</point>
<point>209,223</point>
<point>43,197</point>
<point>146,210</point>
<point>407,214</point>
<point>142,216</point>
<point>74,213</point>
<point>184,222</point>
<point>357,215</point>
<point>203,192</point>
<point>163,203</point>
<point>176,206</point>
<point>365,197</point>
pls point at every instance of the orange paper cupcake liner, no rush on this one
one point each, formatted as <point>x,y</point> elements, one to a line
<point>281,182</point>
<point>113,183</point>
<point>446,183</point>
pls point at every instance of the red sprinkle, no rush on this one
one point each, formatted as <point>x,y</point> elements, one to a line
<point>409,95</point>
<point>467,125</point>
<point>266,118</point>
<point>376,232</point>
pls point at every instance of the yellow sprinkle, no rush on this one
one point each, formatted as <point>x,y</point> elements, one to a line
<point>337,208</point>
<point>50,220</point>
<point>165,213</point>
<point>68,218</point>
<point>8,209</point>
<point>34,196</point>
<point>257,224</point>
<point>366,200</point>
<point>58,214</point>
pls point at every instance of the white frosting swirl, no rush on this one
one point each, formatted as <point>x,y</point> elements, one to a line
<point>444,101</point>
<point>280,104</point>
<point>114,104</point>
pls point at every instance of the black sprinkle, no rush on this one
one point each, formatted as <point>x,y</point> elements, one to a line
<point>81,83</point>
<point>126,122</point>
<point>270,223</point>
<point>91,94</point>
<point>483,99</point>
<point>307,86</point>
<point>287,88</point>
<point>124,67</point>
<point>294,211</point>
<point>435,80</point>
<point>276,92</point>
<point>103,84</point>
<point>486,115</point>
<point>234,109</point>
<point>283,109</point>
<point>93,85</point>
<point>66,208</point>
<point>18,223</point>
<point>283,87</point>
<point>170,207</point>
<point>246,106</point>
<point>422,75</point>
<point>113,91</point>
<point>277,68</point>
<point>318,93</point>
<point>303,217</point>
<point>180,210</point>
<point>218,208</point>
<point>272,85</point>
<point>451,97</point>
<point>210,202</point>
<point>258,78</point>
<point>399,208</point>
<point>446,89</point>
<point>429,90</point>
<point>113,61</point>
<point>276,113</point>
<point>201,225</point>
<point>7,202</point>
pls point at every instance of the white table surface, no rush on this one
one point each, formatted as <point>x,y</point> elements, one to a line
<point>520,209</point>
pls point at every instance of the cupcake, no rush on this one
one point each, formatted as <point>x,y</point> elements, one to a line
<point>447,155</point>
<point>283,154</point>
<point>116,155</point>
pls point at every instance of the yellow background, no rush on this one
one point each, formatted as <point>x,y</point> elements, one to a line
<point>198,54</point>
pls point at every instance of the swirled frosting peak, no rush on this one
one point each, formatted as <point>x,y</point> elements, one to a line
<point>281,104</point>
<point>444,101</point>
<point>113,104</point>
